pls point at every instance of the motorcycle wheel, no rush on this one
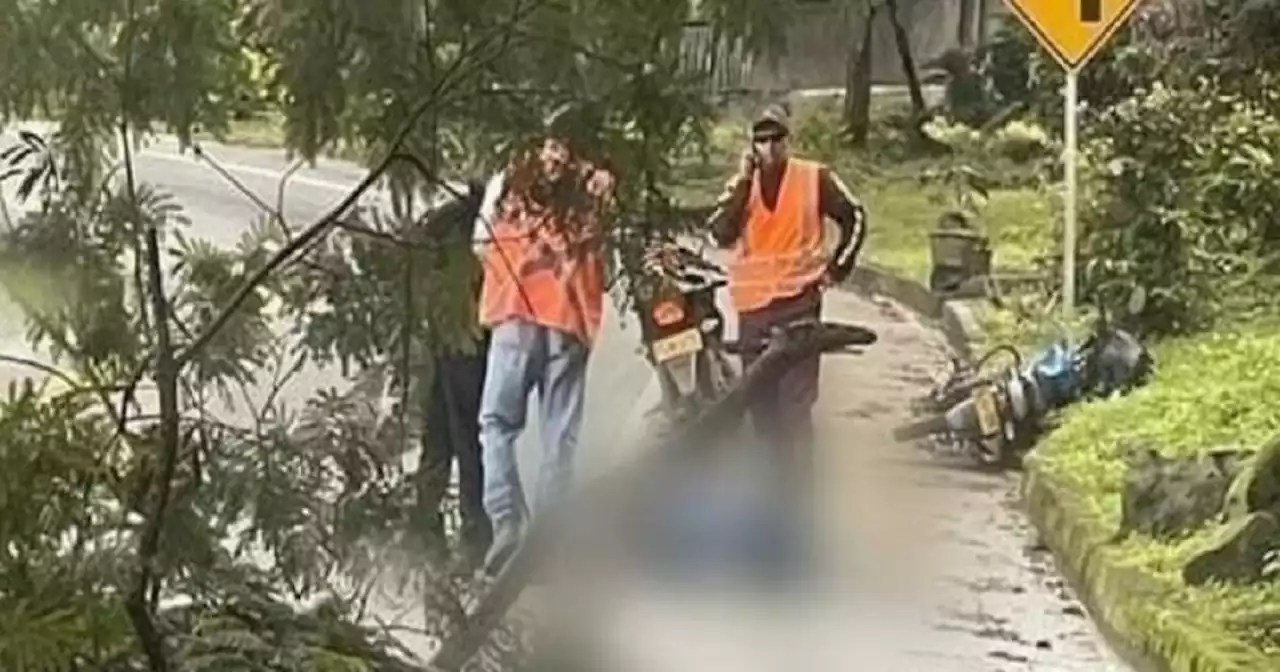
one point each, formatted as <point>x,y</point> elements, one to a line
<point>921,429</point>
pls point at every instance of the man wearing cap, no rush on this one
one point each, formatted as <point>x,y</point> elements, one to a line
<point>771,217</point>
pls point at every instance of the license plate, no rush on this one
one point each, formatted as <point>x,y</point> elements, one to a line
<point>988,416</point>
<point>683,343</point>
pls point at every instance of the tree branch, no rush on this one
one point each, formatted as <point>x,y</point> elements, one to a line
<point>47,370</point>
<point>331,218</point>
<point>137,601</point>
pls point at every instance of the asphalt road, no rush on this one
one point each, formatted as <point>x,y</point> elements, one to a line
<point>936,569</point>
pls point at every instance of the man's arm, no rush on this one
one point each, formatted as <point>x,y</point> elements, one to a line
<point>838,203</point>
<point>725,222</point>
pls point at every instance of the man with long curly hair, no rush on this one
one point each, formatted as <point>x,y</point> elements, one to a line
<point>543,299</point>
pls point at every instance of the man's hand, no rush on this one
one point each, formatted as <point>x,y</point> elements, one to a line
<point>830,278</point>
<point>746,164</point>
<point>601,183</point>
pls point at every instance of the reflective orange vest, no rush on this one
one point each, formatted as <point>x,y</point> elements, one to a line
<point>534,274</point>
<point>779,253</point>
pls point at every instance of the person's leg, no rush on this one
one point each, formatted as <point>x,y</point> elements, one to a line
<point>562,394</point>
<point>503,404</point>
<point>433,471</point>
<point>753,330</point>
<point>794,443</point>
<point>797,395</point>
<point>465,375</point>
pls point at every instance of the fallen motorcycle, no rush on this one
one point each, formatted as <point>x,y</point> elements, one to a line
<point>996,417</point>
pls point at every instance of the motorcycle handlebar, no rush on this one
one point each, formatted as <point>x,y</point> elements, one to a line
<point>676,258</point>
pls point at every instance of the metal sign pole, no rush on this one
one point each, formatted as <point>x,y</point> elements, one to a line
<point>1069,198</point>
<point>1072,31</point>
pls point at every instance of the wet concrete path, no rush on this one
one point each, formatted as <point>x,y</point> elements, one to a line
<point>947,545</point>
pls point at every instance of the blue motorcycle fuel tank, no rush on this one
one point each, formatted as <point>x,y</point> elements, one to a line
<point>1055,373</point>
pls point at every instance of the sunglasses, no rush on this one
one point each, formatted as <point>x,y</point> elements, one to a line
<point>769,138</point>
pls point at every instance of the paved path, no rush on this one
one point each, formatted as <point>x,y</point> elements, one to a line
<point>936,567</point>
<point>933,569</point>
<point>992,600</point>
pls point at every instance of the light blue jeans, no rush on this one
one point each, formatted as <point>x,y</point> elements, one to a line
<point>523,357</point>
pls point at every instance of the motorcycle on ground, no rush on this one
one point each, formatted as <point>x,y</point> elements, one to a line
<point>996,416</point>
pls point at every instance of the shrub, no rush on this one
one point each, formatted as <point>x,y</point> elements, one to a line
<point>1022,142</point>
<point>1188,200</point>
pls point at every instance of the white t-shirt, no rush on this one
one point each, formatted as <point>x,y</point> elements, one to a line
<point>488,208</point>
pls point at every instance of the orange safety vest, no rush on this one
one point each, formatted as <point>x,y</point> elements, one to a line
<point>532,273</point>
<point>779,253</point>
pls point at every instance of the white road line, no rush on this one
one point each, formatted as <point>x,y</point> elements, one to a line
<point>316,182</point>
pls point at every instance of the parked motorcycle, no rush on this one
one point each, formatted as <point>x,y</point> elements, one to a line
<point>682,328</point>
<point>997,416</point>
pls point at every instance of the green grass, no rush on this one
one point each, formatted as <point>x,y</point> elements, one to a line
<point>902,213</point>
<point>1211,391</point>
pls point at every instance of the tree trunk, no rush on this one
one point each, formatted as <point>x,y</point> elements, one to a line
<point>982,10</point>
<point>965,24</point>
<point>903,42</point>
<point>857,85</point>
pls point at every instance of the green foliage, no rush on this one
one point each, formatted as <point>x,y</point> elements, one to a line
<point>1186,199</point>
<point>1252,32</point>
<point>1211,391</point>
<point>250,517</point>
<point>58,567</point>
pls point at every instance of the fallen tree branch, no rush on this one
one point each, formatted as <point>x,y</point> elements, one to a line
<point>786,348</point>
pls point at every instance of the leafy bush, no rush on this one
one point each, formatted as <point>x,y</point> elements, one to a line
<point>820,132</point>
<point>1253,30</point>
<point>1022,142</point>
<point>1010,157</point>
<point>1184,193</point>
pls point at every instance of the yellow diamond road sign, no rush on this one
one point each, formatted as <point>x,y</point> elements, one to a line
<point>1073,30</point>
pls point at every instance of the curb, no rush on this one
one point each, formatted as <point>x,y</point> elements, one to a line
<point>955,318</point>
<point>1129,606</point>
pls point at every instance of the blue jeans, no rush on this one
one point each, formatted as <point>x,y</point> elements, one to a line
<point>522,357</point>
